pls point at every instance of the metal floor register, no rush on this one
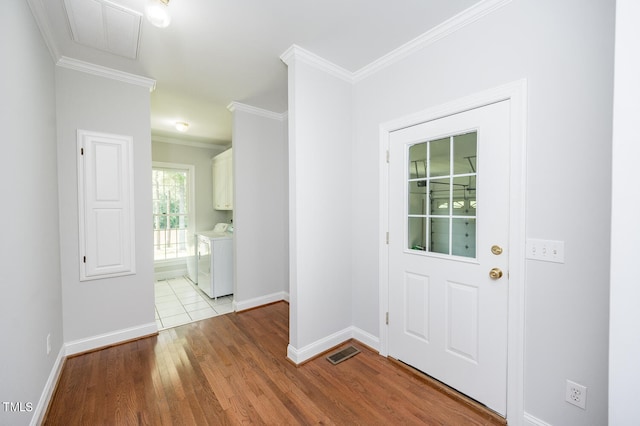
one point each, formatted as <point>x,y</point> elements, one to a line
<point>343,355</point>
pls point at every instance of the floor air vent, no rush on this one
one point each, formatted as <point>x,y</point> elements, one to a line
<point>343,355</point>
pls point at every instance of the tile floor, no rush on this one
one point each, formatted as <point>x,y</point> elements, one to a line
<point>179,301</point>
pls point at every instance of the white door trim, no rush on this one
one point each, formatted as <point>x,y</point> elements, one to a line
<point>516,93</point>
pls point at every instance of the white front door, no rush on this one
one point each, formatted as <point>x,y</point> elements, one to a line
<point>448,250</point>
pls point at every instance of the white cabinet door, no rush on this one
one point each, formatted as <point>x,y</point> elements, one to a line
<point>105,205</point>
<point>222,166</point>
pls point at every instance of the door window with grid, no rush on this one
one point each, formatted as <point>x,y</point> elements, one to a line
<point>172,210</point>
<point>441,191</point>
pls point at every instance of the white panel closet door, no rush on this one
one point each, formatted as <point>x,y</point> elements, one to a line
<point>105,201</point>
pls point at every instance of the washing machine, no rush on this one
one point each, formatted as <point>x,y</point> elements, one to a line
<point>192,258</point>
<point>215,261</point>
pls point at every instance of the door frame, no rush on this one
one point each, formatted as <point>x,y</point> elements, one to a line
<point>516,93</point>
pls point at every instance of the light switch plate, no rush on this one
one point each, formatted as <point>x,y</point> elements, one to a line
<point>545,250</point>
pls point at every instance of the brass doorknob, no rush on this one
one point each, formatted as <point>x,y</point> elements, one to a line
<point>495,273</point>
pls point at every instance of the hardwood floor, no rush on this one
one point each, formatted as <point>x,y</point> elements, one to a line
<point>233,369</point>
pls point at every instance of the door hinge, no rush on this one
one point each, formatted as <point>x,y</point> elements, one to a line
<point>387,318</point>
<point>84,259</point>
<point>387,156</point>
<point>387,238</point>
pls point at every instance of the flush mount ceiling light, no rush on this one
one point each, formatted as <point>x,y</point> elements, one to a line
<point>157,13</point>
<point>181,126</point>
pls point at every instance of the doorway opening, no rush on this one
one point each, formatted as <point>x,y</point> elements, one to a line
<point>178,191</point>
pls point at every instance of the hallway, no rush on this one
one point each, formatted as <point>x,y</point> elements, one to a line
<point>232,369</point>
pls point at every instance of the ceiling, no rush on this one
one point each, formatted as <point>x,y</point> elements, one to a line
<point>218,51</point>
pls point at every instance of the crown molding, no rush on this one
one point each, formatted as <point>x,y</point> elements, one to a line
<point>296,52</point>
<point>238,106</point>
<point>89,68</point>
<point>461,20</point>
<point>40,16</point>
<point>193,143</point>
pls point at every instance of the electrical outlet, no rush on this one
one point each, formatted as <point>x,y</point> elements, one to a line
<point>545,250</point>
<point>48,343</point>
<point>576,394</point>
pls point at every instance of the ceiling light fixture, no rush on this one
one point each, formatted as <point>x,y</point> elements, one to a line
<point>157,13</point>
<point>181,126</point>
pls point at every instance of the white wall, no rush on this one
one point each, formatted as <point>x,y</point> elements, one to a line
<point>260,206</point>
<point>111,305</point>
<point>624,371</point>
<point>320,163</point>
<point>564,50</point>
<point>31,301</point>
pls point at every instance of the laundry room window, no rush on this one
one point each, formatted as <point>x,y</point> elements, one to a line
<point>173,210</point>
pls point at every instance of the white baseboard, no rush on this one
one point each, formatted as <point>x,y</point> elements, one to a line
<point>366,339</point>
<point>243,305</point>
<point>83,345</point>
<point>316,348</point>
<point>530,420</point>
<point>107,339</point>
<point>49,388</point>
<point>173,273</point>
<point>319,346</point>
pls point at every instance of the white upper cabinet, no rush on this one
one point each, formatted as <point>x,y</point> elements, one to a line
<point>222,165</point>
<point>105,205</point>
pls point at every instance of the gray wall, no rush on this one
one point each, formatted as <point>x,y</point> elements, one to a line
<point>260,203</point>
<point>89,102</point>
<point>320,178</point>
<point>31,301</point>
<point>565,51</point>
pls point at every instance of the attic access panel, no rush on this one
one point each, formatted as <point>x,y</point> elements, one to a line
<point>105,25</point>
